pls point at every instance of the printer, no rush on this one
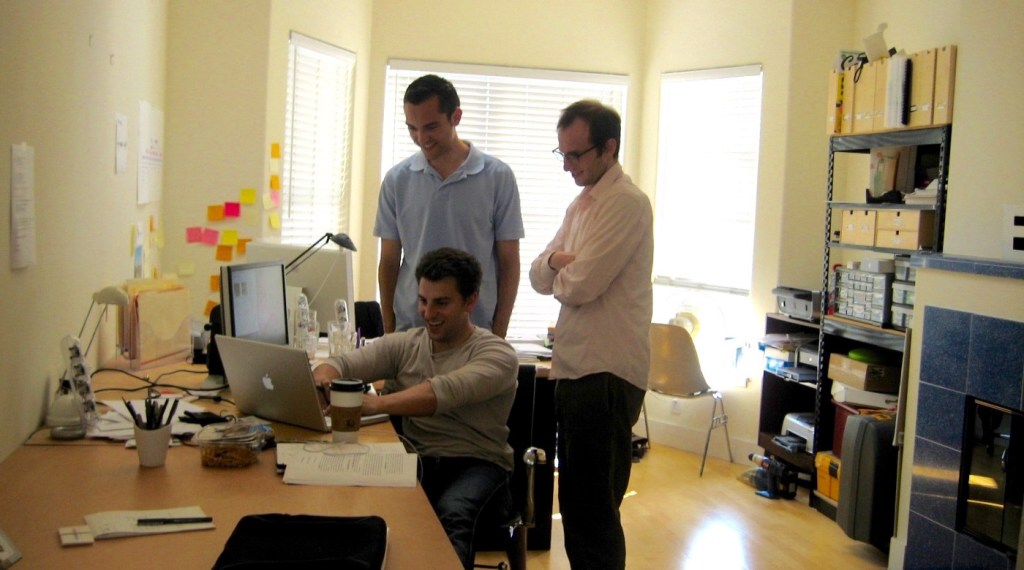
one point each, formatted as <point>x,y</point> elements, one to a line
<point>800,424</point>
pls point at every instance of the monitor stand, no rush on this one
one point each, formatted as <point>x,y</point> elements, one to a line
<point>214,382</point>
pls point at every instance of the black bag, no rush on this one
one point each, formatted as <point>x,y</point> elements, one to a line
<point>307,542</point>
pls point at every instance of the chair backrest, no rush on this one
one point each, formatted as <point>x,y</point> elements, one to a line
<point>531,423</point>
<point>369,319</point>
<point>675,368</point>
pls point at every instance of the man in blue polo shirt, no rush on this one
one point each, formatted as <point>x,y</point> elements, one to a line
<point>450,194</point>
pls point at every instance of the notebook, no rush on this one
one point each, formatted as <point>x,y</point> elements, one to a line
<point>271,381</point>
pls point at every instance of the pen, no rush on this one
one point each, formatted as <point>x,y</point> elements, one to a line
<point>180,520</point>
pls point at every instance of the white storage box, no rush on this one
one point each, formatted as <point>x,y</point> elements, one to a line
<point>903,293</point>
<point>850,395</point>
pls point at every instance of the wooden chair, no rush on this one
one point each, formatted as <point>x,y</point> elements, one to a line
<point>675,371</point>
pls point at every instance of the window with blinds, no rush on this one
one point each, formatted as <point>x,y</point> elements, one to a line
<point>511,113</point>
<point>710,128</point>
<point>709,125</point>
<point>316,169</point>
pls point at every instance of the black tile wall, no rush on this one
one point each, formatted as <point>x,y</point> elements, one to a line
<point>962,354</point>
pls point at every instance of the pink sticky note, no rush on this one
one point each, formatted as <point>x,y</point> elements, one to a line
<point>210,237</point>
<point>275,197</point>
<point>232,209</point>
<point>193,234</point>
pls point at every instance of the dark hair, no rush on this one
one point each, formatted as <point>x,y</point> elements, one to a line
<point>429,86</point>
<point>450,262</point>
<point>604,122</point>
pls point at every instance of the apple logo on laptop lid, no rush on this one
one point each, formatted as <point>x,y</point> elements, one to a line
<point>267,382</point>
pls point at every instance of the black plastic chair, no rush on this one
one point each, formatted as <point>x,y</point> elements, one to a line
<point>526,524</point>
<point>369,319</point>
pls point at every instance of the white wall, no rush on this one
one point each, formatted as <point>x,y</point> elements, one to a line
<point>67,69</point>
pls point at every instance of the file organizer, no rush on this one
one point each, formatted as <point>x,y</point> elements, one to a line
<point>155,326</point>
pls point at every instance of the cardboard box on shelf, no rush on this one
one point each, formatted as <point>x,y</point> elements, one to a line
<point>863,376</point>
<point>858,227</point>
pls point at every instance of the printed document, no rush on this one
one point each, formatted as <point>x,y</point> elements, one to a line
<point>350,464</point>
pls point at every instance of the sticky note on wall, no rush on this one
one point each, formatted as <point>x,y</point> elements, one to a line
<point>215,213</point>
<point>225,252</point>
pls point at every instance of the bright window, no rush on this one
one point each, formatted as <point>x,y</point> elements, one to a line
<point>316,170</point>
<point>706,195</point>
<point>510,113</point>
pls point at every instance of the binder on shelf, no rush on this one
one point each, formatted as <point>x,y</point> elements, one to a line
<point>881,84</point>
<point>849,98</point>
<point>864,98</point>
<point>945,82</point>
<point>922,87</point>
<point>834,113</point>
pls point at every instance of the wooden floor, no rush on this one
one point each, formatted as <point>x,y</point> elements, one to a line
<point>675,519</point>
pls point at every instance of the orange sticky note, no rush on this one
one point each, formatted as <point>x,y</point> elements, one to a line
<point>225,252</point>
<point>242,243</point>
<point>275,182</point>
<point>247,196</point>
<point>209,307</point>
<point>152,223</point>
<point>215,213</point>
<point>275,150</point>
<point>215,283</point>
<point>275,220</point>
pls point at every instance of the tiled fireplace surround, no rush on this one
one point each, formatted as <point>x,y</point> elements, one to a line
<point>963,354</point>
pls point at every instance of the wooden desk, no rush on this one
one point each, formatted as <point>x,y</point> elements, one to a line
<point>45,487</point>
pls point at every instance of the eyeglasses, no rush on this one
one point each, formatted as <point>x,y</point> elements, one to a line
<point>573,156</point>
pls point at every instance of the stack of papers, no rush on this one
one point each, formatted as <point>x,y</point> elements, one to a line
<point>526,351</point>
<point>348,464</point>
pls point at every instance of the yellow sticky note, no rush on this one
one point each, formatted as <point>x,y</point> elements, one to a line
<point>275,150</point>
<point>225,252</point>
<point>186,268</point>
<point>275,182</point>
<point>215,213</point>
<point>242,244</point>
<point>209,308</point>
<point>215,283</point>
<point>247,196</point>
<point>152,223</point>
<point>275,220</point>
<point>229,237</point>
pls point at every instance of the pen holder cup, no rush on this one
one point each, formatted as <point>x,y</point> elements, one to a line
<point>152,445</point>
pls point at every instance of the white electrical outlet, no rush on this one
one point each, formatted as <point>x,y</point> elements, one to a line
<point>677,407</point>
<point>1013,232</point>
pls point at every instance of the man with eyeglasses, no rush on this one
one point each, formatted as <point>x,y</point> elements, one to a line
<point>598,266</point>
<point>450,194</point>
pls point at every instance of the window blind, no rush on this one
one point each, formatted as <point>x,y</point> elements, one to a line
<point>511,113</point>
<point>316,170</point>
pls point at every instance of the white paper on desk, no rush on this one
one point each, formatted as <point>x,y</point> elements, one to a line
<point>368,465</point>
<point>117,424</point>
<point>114,524</point>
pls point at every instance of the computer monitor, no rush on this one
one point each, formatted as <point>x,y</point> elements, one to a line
<point>324,276</point>
<point>253,305</point>
<point>253,301</point>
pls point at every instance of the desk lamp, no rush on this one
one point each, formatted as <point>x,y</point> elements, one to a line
<point>341,239</point>
<point>75,404</point>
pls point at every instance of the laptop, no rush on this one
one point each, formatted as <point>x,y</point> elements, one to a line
<point>272,381</point>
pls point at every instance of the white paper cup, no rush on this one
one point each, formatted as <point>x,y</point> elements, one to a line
<point>346,403</point>
<point>152,445</point>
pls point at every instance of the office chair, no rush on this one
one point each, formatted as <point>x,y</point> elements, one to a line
<point>526,523</point>
<point>369,319</point>
<point>675,371</point>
